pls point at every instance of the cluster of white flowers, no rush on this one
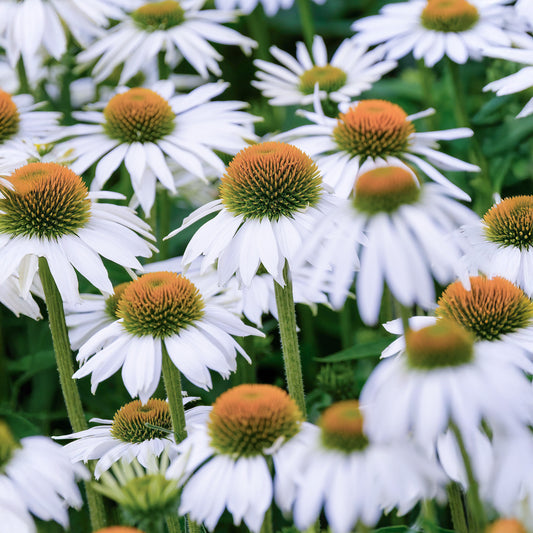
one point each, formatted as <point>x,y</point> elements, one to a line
<point>355,201</point>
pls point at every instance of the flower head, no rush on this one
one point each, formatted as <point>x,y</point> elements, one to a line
<point>501,243</point>
<point>431,29</point>
<point>447,378</point>
<point>268,196</point>
<point>138,431</point>
<point>151,128</point>
<point>341,464</point>
<point>394,232</point>
<point>163,310</point>
<point>181,28</point>
<point>46,211</point>
<point>224,459</point>
<point>53,479</point>
<point>351,70</point>
<point>370,131</point>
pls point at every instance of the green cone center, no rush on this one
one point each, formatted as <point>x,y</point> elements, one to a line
<point>449,15</point>
<point>328,77</point>
<point>342,427</point>
<point>159,15</point>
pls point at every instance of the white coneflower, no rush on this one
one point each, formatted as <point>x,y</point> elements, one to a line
<point>163,311</point>
<point>181,29</point>
<point>37,477</point>
<point>356,480</point>
<point>432,29</point>
<point>372,130</point>
<point>222,464</point>
<point>132,434</point>
<point>46,211</point>
<point>48,20</point>
<point>146,128</point>
<point>351,70</point>
<point>501,243</point>
<point>270,196</point>
<point>405,225</point>
<point>444,378</point>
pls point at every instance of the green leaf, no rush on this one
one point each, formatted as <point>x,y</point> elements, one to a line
<point>359,351</point>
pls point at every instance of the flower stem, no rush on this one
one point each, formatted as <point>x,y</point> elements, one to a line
<point>65,366</point>
<point>405,313</point>
<point>165,206</point>
<point>483,183</point>
<point>306,20</point>
<point>24,86</point>
<point>193,527</point>
<point>289,339</point>
<point>267,526</point>
<point>258,28</point>
<point>173,523</point>
<point>455,499</point>
<point>475,506</point>
<point>172,378</point>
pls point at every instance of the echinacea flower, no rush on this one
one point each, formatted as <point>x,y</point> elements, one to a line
<point>405,225</point>
<point>491,309</point>
<point>147,128</point>
<point>351,70</point>
<point>444,379</point>
<point>501,243</point>
<point>223,463</point>
<point>163,311</point>
<point>506,525</point>
<point>371,130</point>
<point>20,121</point>
<point>26,26</point>
<point>356,480</point>
<point>509,488</point>
<point>180,29</point>
<point>132,434</point>
<point>11,298</point>
<point>270,196</point>
<point>37,477</point>
<point>432,29</point>
<point>270,7</point>
<point>521,80</point>
<point>46,211</point>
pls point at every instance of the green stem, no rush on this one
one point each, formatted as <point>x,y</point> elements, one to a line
<point>457,510</point>
<point>193,527</point>
<point>306,20</point>
<point>289,339</point>
<point>483,183</point>
<point>164,69</point>
<point>426,81</point>
<point>347,325</point>
<point>475,506</point>
<point>172,378</point>
<point>405,314</point>
<point>258,30</point>
<point>24,86</point>
<point>165,205</point>
<point>4,381</point>
<point>173,523</point>
<point>267,526</point>
<point>65,366</point>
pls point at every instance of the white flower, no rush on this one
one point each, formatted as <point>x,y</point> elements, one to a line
<point>397,229</point>
<point>127,437</point>
<point>180,29</point>
<point>510,487</point>
<point>11,298</point>
<point>46,211</point>
<point>521,80</point>
<point>271,196</point>
<point>444,377</point>
<point>492,309</point>
<point>37,476</point>
<point>371,130</point>
<point>259,297</point>
<point>270,7</point>
<point>500,243</point>
<point>433,29</point>
<point>356,480</point>
<point>524,8</point>
<point>95,311</point>
<point>223,463</point>
<point>185,129</point>
<point>164,311</point>
<point>27,26</point>
<point>22,124</point>
<point>351,71</point>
